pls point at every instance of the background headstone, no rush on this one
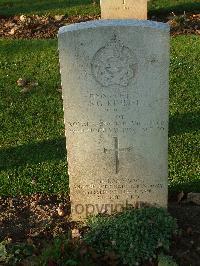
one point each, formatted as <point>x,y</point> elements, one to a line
<point>124,9</point>
<point>115,92</point>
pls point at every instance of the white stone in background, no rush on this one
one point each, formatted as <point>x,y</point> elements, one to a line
<point>115,92</point>
<point>123,9</point>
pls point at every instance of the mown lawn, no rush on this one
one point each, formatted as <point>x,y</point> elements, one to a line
<point>32,131</point>
<point>85,7</point>
<point>32,144</point>
<point>159,7</point>
<point>184,141</point>
<point>69,7</point>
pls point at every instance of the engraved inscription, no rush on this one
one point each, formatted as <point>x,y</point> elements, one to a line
<point>121,99</point>
<point>113,189</point>
<point>114,64</point>
<point>115,126</point>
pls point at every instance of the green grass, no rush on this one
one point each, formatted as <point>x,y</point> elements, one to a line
<point>159,7</point>
<point>52,7</point>
<point>32,130</point>
<point>84,7</point>
<point>184,168</point>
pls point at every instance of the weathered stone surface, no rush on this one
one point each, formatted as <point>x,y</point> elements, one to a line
<point>124,9</point>
<point>115,92</point>
<point>193,197</point>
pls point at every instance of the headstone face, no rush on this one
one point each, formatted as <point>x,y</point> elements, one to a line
<point>124,9</point>
<point>115,92</point>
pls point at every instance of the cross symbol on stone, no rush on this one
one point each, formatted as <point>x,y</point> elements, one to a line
<point>116,151</point>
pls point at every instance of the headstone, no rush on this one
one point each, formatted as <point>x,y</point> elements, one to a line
<point>124,9</point>
<point>115,92</point>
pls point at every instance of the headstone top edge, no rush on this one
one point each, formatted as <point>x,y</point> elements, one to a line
<point>114,22</point>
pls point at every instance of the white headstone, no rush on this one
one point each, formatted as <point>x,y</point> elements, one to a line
<point>115,92</point>
<point>123,9</point>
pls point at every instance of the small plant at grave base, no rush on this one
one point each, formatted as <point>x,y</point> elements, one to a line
<point>135,235</point>
<point>63,251</point>
<point>164,260</point>
<point>14,254</point>
<point>4,255</point>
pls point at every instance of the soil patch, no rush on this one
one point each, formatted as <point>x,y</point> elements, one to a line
<point>37,27</point>
<point>45,27</point>
<point>186,247</point>
<point>39,218</point>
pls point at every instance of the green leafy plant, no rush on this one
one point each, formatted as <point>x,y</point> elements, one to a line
<point>4,255</point>
<point>164,260</point>
<point>13,254</point>
<point>135,235</point>
<point>63,251</point>
<point>18,252</point>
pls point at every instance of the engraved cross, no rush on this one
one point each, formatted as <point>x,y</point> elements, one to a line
<point>116,151</point>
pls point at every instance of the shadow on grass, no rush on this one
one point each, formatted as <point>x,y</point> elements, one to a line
<point>155,7</point>
<point>11,8</point>
<point>56,149</point>
<point>33,153</point>
<point>11,48</point>
<point>193,7</point>
<point>184,123</point>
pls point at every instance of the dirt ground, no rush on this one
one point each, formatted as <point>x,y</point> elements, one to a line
<point>33,219</point>
<point>44,27</point>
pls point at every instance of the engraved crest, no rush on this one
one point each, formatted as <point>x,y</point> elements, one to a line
<point>114,64</point>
